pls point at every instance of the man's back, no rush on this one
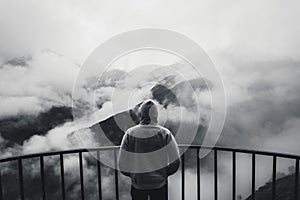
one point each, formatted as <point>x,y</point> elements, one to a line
<point>148,155</point>
<point>149,139</point>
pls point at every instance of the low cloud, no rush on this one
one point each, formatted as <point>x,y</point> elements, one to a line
<point>43,81</point>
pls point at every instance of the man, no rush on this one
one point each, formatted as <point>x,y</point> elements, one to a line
<point>148,155</point>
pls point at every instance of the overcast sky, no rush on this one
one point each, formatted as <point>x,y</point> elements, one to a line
<point>74,28</point>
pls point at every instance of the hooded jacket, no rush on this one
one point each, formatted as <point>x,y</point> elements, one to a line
<point>148,137</point>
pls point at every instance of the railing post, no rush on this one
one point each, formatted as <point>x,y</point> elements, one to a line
<point>81,175</point>
<point>99,175</point>
<point>62,176</point>
<point>1,192</point>
<point>167,189</point>
<point>233,175</point>
<point>274,178</point>
<point>43,177</point>
<point>253,176</point>
<point>21,184</point>
<point>198,176</point>
<point>296,179</point>
<point>182,177</point>
<point>116,175</point>
<point>216,173</point>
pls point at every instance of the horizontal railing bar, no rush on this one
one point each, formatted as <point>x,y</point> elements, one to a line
<point>239,150</point>
<point>106,148</point>
<point>53,153</point>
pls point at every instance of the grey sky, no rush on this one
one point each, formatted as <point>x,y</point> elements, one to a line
<point>74,28</point>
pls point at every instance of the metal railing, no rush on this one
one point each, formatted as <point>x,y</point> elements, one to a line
<point>234,152</point>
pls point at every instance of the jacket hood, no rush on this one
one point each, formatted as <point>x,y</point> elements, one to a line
<point>148,112</point>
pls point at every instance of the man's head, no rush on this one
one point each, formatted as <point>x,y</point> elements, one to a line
<point>148,112</point>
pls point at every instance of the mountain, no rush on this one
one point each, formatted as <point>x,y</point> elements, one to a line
<point>19,61</point>
<point>284,189</point>
<point>114,126</point>
<point>108,79</point>
<point>19,128</point>
<point>172,95</point>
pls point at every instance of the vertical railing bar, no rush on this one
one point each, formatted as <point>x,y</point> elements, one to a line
<point>233,175</point>
<point>21,184</point>
<point>167,190</point>
<point>274,177</point>
<point>253,176</point>
<point>42,168</point>
<point>1,192</point>
<point>81,175</point>
<point>99,176</point>
<point>116,175</point>
<point>216,173</point>
<point>296,179</point>
<point>182,177</point>
<point>62,176</point>
<point>198,176</point>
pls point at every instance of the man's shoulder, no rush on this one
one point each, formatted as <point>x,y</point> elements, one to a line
<point>139,127</point>
<point>131,129</point>
<point>164,129</point>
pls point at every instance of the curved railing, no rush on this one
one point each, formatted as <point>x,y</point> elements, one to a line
<point>234,151</point>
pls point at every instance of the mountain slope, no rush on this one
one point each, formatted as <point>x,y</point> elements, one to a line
<point>20,128</point>
<point>284,189</point>
<point>114,126</point>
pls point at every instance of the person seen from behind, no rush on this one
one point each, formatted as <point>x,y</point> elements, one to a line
<point>148,155</point>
